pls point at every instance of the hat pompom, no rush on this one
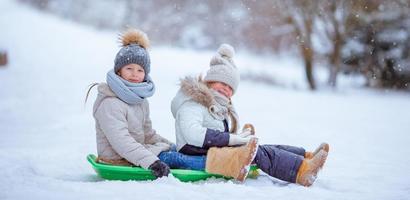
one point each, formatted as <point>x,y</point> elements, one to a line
<point>134,36</point>
<point>226,50</point>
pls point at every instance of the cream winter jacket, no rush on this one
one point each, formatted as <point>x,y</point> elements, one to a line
<point>125,131</point>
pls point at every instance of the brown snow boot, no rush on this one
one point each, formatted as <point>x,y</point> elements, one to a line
<point>232,161</point>
<point>324,146</point>
<point>309,168</point>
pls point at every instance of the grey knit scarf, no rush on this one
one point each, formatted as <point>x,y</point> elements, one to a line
<point>219,106</point>
<point>131,93</point>
<point>222,108</point>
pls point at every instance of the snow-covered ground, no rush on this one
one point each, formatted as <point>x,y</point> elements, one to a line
<point>46,133</point>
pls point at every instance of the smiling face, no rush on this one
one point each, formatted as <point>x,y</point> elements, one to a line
<point>222,88</point>
<point>133,73</point>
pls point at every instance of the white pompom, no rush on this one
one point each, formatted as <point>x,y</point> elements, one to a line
<point>226,50</point>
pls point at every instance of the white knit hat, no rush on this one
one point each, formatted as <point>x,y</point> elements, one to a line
<point>223,69</point>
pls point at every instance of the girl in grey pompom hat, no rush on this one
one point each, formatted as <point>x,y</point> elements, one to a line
<point>121,112</point>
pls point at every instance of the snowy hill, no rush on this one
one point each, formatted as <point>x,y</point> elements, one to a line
<point>45,132</point>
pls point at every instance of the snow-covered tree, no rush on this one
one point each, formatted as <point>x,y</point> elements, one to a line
<point>301,14</point>
<point>333,17</point>
<point>378,43</point>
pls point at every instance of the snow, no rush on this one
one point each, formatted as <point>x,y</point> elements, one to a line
<point>353,47</point>
<point>46,132</point>
<point>393,35</point>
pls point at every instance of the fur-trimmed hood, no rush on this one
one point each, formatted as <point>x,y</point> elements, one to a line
<point>195,89</point>
<point>192,89</point>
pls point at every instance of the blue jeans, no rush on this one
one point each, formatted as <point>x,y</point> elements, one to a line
<point>176,160</point>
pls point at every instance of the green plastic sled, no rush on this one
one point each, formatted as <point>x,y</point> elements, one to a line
<point>115,172</point>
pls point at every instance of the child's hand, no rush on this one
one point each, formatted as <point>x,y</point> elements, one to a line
<point>245,132</point>
<point>238,139</point>
<point>159,169</point>
<point>249,127</point>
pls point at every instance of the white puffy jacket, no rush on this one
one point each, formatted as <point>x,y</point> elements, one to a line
<point>192,118</point>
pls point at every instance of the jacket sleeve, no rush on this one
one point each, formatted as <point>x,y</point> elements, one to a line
<point>190,121</point>
<point>151,137</point>
<point>111,116</point>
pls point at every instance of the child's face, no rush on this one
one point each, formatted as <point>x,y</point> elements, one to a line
<point>132,72</point>
<point>222,88</point>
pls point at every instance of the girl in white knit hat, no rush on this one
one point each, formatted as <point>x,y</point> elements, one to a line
<point>206,123</point>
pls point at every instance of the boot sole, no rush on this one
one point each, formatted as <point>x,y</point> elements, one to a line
<point>311,176</point>
<point>245,169</point>
<point>320,165</point>
<point>323,160</point>
<point>325,147</point>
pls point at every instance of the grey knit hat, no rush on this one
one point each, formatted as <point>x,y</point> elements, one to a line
<point>223,69</point>
<point>134,50</point>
